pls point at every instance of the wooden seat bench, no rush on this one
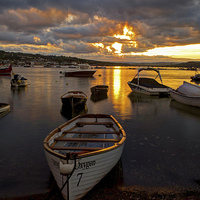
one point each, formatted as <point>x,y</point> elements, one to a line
<point>76,148</point>
<point>92,132</point>
<point>85,139</point>
<point>107,124</point>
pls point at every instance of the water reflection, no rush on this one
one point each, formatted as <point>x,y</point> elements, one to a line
<point>117,82</point>
<point>197,82</point>
<point>2,114</point>
<point>185,108</point>
<point>144,105</point>
<point>69,112</point>
<point>98,97</point>
<point>18,90</point>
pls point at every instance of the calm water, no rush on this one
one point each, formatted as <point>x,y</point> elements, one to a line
<point>162,147</point>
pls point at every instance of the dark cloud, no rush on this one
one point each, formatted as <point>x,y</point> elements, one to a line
<point>76,25</point>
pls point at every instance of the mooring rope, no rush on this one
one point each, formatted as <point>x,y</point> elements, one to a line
<point>69,176</point>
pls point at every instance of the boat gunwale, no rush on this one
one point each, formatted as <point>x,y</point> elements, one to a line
<point>85,154</point>
<point>4,107</point>
<point>82,94</point>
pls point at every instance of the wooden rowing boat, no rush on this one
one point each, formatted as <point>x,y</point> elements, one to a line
<point>99,89</point>
<point>82,151</point>
<point>74,99</point>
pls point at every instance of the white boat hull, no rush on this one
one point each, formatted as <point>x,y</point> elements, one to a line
<point>188,100</point>
<point>89,171</point>
<point>148,91</point>
<point>23,83</point>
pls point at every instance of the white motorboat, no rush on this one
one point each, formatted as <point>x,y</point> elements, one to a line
<point>18,81</point>
<point>148,86</point>
<point>74,98</point>
<point>82,151</point>
<point>80,70</point>
<point>187,93</point>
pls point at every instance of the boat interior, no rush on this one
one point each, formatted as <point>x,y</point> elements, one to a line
<point>86,137</point>
<point>148,82</point>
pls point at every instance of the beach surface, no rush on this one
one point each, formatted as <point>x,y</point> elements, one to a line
<point>121,194</point>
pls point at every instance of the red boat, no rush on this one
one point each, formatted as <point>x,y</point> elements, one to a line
<point>5,70</point>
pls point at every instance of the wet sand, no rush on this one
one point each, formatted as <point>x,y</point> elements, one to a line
<point>121,194</point>
<point>111,188</point>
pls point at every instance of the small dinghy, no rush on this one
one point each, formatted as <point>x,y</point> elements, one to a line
<point>18,81</point>
<point>4,107</point>
<point>82,151</point>
<point>99,89</point>
<point>74,99</point>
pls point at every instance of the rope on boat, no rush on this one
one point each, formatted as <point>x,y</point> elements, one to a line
<point>68,176</point>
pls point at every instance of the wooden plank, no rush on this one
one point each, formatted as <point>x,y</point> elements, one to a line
<point>107,124</point>
<point>92,132</point>
<point>76,148</point>
<point>86,139</point>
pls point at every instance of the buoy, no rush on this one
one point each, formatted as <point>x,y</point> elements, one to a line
<point>66,169</point>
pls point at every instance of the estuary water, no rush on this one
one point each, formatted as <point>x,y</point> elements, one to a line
<point>162,147</point>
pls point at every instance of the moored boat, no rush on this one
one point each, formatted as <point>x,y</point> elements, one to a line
<point>6,70</point>
<point>80,70</point>
<point>187,93</point>
<point>82,151</point>
<point>18,81</point>
<point>148,86</point>
<point>4,107</point>
<point>99,89</point>
<point>196,77</point>
<point>74,99</point>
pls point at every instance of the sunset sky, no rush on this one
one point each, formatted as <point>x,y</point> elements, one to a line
<point>105,30</point>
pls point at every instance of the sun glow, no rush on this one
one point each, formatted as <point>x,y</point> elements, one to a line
<point>118,47</point>
<point>128,34</point>
<point>100,45</point>
<point>36,39</point>
<point>187,51</point>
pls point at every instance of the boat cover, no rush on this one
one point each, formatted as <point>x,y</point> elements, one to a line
<point>189,89</point>
<point>148,82</point>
